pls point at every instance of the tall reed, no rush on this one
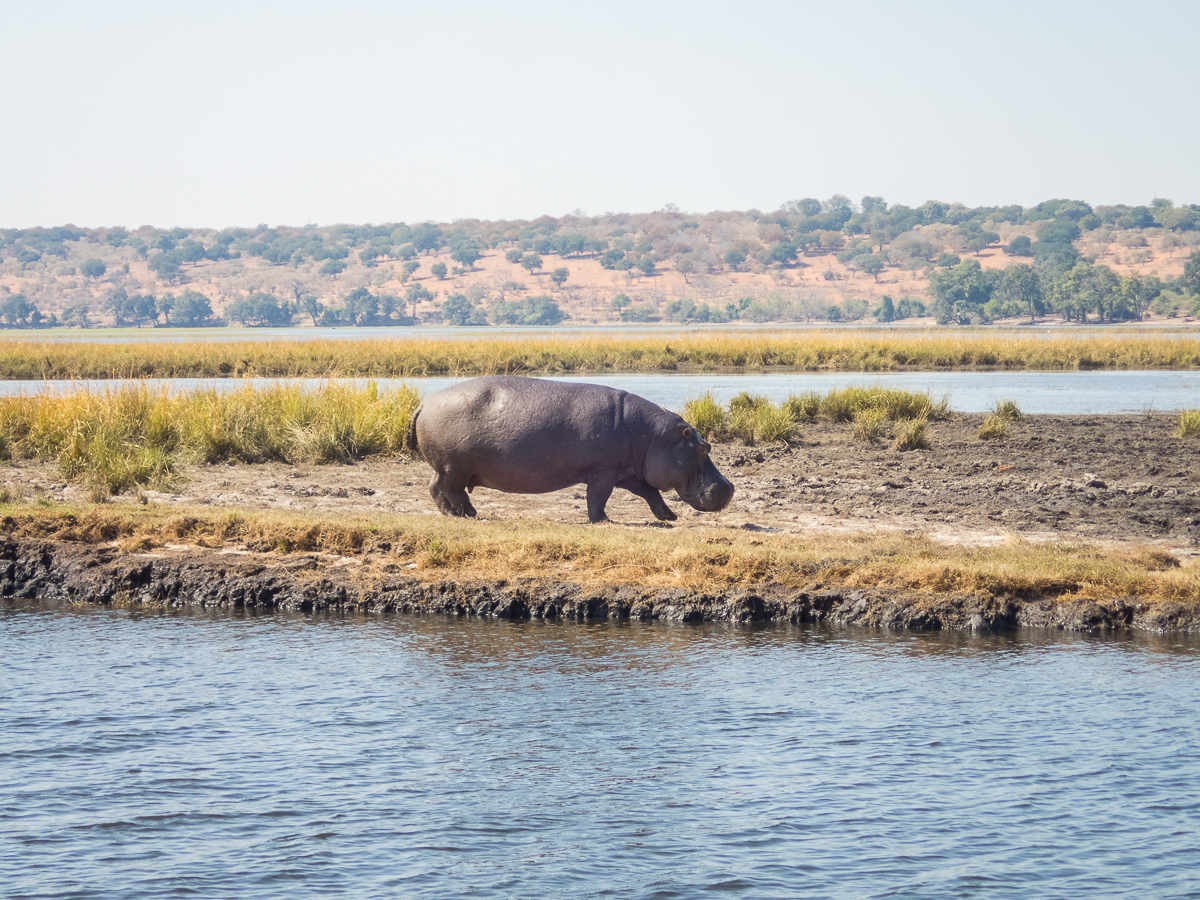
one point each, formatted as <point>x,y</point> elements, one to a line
<point>117,438</point>
<point>806,351</point>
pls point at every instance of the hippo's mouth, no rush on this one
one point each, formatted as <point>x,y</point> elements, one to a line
<point>712,497</point>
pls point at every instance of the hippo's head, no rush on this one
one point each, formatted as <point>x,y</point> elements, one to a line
<point>679,460</point>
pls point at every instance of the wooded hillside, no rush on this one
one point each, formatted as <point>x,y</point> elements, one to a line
<point>809,260</point>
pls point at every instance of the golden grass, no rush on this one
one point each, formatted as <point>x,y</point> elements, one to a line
<point>554,353</point>
<point>118,438</point>
<point>695,558</point>
<point>752,418</point>
<point>115,439</point>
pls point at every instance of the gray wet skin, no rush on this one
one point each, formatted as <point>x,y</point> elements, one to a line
<point>528,436</point>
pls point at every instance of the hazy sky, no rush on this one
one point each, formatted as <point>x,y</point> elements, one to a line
<point>216,114</point>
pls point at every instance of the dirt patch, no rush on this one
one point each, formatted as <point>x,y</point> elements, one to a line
<point>1100,479</point>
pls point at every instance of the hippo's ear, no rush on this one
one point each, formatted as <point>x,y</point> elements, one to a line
<point>687,432</point>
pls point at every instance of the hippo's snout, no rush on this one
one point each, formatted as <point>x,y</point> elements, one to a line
<point>714,494</point>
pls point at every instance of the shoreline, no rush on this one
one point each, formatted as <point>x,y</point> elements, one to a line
<point>191,576</point>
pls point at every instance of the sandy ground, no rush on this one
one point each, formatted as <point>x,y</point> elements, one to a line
<point>1100,479</point>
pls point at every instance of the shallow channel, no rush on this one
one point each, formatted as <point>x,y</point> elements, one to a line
<point>1060,393</point>
<point>155,754</point>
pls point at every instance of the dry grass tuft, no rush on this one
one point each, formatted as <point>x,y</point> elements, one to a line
<point>869,426</point>
<point>1189,423</point>
<point>910,435</point>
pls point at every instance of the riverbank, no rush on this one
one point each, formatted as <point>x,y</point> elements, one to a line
<point>192,576</point>
<point>1065,521</point>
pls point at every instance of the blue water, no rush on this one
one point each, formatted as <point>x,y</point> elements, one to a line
<point>147,755</point>
<point>1182,331</point>
<point>1035,392</point>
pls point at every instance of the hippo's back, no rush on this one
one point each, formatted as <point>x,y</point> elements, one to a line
<point>526,434</point>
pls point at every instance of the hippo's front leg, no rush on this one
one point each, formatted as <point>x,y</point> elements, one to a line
<point>650,494</point>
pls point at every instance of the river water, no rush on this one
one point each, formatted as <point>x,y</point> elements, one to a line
<point>1035,392</point>
<point>227,754</point>
<point>1184,330</point>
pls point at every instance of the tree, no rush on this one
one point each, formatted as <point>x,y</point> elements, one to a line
<point>1190,279</point>
<point>610,258</point>
<point>361,306</point>
<point>560,275</point>
<point>540,310</point>
<point>645,265</point>
<point>92,268</point>
<point>1020,288</point>
<point>77,316</point>
<point>1139,292</point>
<point>192,309</point>
<point>870,264</point>
<point>261,309</point>
<point>333,267</point>
<point>417,293</point>
<point>873,205</point>
<point>1019,246</point>
<point>426,237</point>
<point>458,310</point>
<point>218,251</point>
<point>465,253</point>
<point>685,266</point>
<point>312,307</point>
<point>532,262</point>
<point>886,311</point>
<point>514,256</point>
<point>959,294</point>
<point>117,303</point>
<point>192,251</point>
<point>734,258</point>
<point>407,272</point>
<point>621,301</point>
<point>18,311</point>
<point>164,306</point>
<point>784,253</point>
<point>439,270</point>
<point>164,266</point>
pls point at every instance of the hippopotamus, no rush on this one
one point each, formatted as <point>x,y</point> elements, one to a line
<point>529,436</point>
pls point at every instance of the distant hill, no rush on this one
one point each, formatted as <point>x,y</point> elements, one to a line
<point>809,260</point>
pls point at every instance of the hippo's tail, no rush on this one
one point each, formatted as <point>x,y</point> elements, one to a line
<point>410,438</point>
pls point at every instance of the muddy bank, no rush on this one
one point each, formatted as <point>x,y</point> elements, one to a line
<point>202,577</point>
<point>1102,479</point>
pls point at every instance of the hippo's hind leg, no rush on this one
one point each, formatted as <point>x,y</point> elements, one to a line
<point>450,495</point>
<point>650,494</point>
<point>599,489</point>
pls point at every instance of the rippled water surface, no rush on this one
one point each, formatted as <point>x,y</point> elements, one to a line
<point>233,755</point>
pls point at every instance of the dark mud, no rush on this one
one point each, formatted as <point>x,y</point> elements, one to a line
<point>199,577</point>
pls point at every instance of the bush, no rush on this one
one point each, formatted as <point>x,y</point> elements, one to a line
<point>705,415</point>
